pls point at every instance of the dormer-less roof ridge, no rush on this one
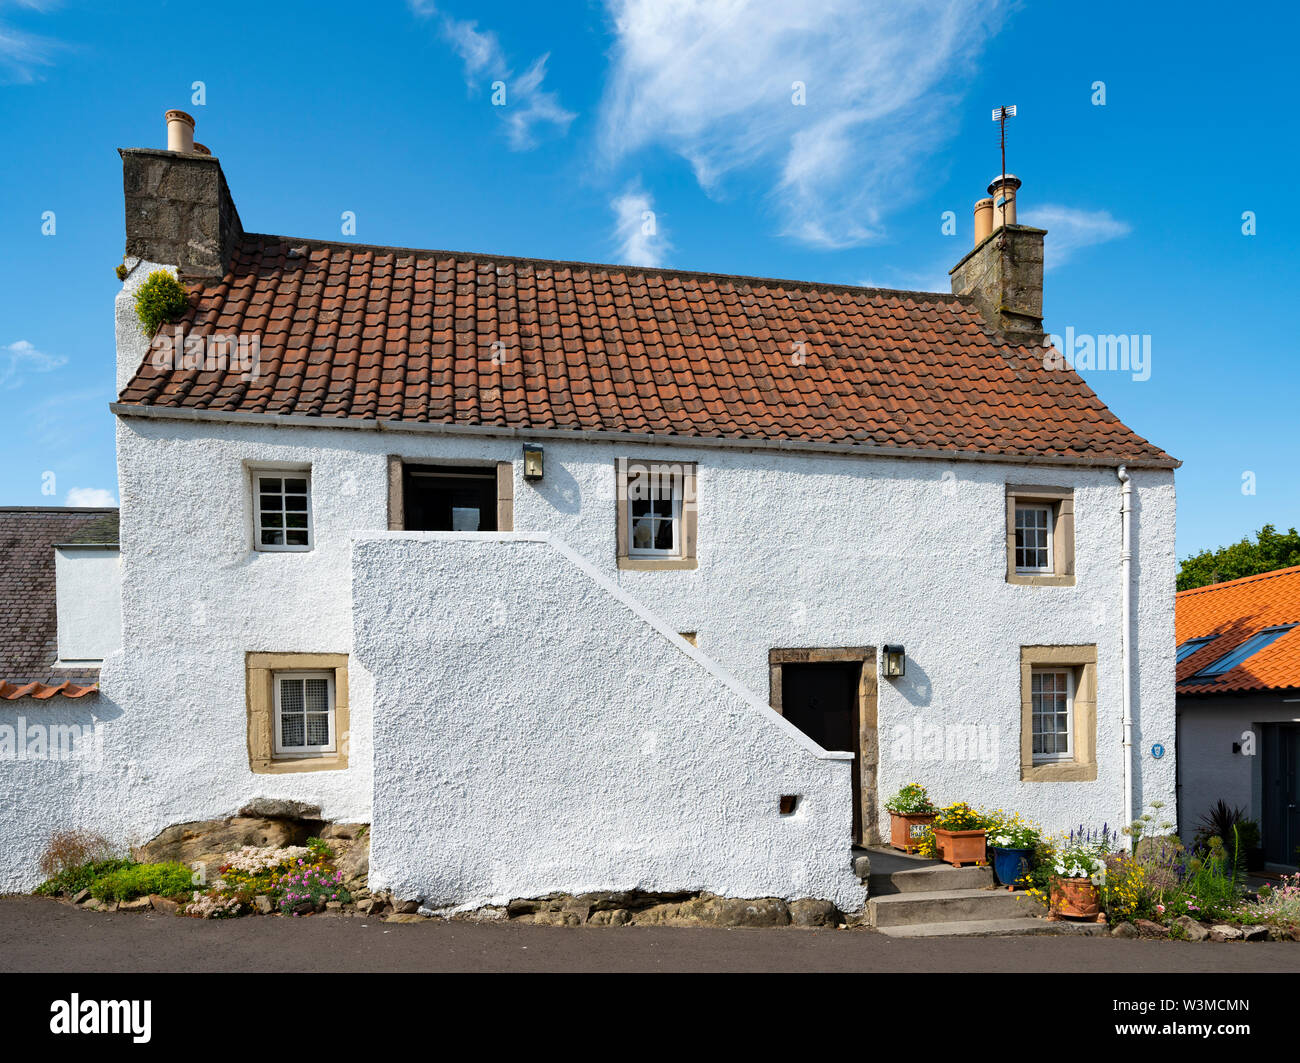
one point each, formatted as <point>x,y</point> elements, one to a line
<point>364,335</point>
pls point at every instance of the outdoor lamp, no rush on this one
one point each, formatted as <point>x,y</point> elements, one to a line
<point>893,660</point>
<point>533,466</point>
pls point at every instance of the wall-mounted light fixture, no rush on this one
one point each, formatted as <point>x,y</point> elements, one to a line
<point>533,464</point>
<point>893,662</point>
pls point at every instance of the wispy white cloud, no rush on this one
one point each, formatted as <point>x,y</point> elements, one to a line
<point>715,81</point>
<point>529,105</point>
<point>90,496</point>
<point>22,55</point>
<point>639,237</point>
<point>21,358</point>
<point>48,420</point>
<point>1070,229</point>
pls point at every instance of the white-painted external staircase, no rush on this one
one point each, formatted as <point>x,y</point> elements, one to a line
<point>910,897</point>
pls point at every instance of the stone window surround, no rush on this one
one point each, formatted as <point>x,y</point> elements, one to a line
<point>1082,662</point>
<point>259,670</point>
<point>1061,501</point>
<point>505,473</point>
<point>689,519</point>
<point>867,756</point>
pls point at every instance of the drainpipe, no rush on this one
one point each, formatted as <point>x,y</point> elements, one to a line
<point>1126,637</point>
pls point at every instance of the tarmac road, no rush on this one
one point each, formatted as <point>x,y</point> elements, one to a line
<point>42,935</point>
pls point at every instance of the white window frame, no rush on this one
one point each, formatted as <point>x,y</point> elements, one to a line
<point>282,473</point>
<point>280,749</point>
<point>1068,753</point>
<point>1043,507</point>
<point>675,515</point>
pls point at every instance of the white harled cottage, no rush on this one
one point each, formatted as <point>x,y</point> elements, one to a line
<point>573,577</point>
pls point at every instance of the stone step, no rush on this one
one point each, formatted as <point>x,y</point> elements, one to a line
<point>943,906</point>
<point>930,880</point>
<point>982,928</point>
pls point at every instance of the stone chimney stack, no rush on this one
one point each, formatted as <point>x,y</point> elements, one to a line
<point>178,209</point>
<point>1004,271</point>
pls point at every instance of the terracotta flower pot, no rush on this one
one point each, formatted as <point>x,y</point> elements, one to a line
<point>959,847</point>
<point>905,829</point>
<point>1075,898</point>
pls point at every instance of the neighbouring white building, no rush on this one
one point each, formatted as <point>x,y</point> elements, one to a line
<point>572,577</point>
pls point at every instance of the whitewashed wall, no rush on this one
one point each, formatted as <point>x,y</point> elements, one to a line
<point>540,732</point>
<point>794,550</point>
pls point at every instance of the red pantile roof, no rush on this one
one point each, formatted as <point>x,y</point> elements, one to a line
<point>388,334</point>
<point>1234,611</point>
<point>43,691</point>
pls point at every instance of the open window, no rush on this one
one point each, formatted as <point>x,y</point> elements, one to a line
<point>450,498</point>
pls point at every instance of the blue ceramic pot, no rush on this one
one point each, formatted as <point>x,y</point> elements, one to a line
<point>1010,864</point>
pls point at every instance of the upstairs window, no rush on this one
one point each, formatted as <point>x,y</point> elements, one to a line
<point>304,713</point>
<point>1040,536</point>
<point>1033,538</point>
<point>282,508</point>
<point>656,518</point>
<point>654,514</point>
<point>475,497</point>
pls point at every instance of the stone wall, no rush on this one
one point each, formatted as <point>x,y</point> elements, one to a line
<point>1004,276</point>
<point>179,211</point>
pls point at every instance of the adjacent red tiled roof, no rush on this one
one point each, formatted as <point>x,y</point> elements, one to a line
<point>366,333</point>
<point>28,621</point>
<point>43,691</point>
<point>1234,611</point>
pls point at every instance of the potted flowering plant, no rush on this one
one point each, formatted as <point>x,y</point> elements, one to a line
<point>1011,844</point>
<point>1080,871</point>
<point>960,835</point>
<point>910,814</point>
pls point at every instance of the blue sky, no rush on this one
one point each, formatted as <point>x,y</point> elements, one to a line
<point>687,109</point>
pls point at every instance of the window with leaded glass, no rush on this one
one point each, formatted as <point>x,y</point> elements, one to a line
<point>304,712</point>
<point>1052,694</point>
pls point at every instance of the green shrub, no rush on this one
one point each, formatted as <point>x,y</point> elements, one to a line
<point>121,271</point>
<point>1211,888</point>
<point>160,298</point>
<point>911,800</point>
<point>1238,834</point>
<point>320,848</point>
<point>73,880</point>
<point>139,880</point>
